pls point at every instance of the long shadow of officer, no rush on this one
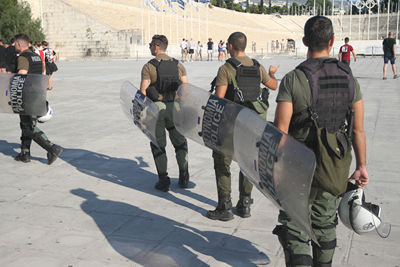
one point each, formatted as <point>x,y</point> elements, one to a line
<point>126,172</point>
<point>153,240</point>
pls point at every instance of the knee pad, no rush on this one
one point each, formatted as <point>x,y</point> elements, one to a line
<point>182,146</point>
<point>156,151</point>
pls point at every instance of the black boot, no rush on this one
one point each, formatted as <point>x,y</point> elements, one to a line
<point>243,207</point>
<point>53,153</point>
<point>223,212</point>
<point>163,183</point>
<point>25,157</point>
<point>183,178</point>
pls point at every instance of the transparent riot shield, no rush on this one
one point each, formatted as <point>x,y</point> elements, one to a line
<point>205,118</point>
<point>140,110</point>
<point>23,93</point>
<point>278,165</point>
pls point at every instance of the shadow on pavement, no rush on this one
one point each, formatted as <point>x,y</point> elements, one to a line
<point>153,240</point>
<point>12,149</point>
<point>129,173</point>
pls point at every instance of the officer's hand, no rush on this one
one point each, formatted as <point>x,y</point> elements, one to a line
<point>360,176</point>
<point>273,69</point>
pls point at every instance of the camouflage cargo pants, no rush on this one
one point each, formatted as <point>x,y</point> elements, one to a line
<point>295,241</point>
<point>31,132</point>
<point>165,122</point>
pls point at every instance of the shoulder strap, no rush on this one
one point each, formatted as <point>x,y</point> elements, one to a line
<point>234,62</point>
<point>154,62</point>
<point>230,70</point>
<point>255,62</point>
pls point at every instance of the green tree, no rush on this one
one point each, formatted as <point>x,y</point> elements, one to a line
<point>15,18</point>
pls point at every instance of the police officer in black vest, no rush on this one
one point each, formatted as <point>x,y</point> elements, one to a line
<point>239,80</point>
<point>31,63</point>
<point>160,80</point>
<point>320,104</point>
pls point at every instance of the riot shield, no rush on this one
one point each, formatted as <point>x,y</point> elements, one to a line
<point>23,93</point>
<point>140,110</point>
<point>205,118</point>
<point>278,165</point>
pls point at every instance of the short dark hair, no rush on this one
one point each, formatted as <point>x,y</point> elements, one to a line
<point>346,40</point>
<point>318,31</point>
<point>238,40</point>
<point>160,40</point>
<point>22,38</point>
<point>45,43</point>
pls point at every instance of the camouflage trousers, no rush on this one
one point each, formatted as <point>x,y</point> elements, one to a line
<point>29,132</point>
<point>222,165</point>
<point>165,122</point>
<point>295,241</point>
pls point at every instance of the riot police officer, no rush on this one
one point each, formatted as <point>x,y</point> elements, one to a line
<point>161,78</point>
<point>239,80</point>
<point>31,63</point>
<point>318,103</point>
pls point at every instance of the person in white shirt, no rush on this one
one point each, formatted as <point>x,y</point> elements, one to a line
<point>199,49</point>
<point>192,46</point>
<point>184,50</point>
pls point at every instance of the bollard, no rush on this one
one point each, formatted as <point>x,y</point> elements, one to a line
<point>137,55</point>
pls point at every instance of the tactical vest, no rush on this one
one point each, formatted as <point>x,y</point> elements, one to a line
<point>332,92</point>
<point>35,62</point>
<point>167,78</point>
<point>245,86</point>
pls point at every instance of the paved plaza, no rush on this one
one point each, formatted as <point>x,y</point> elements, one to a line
<point>97,206</point>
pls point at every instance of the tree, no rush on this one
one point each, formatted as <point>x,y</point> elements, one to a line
<point>15,18</point>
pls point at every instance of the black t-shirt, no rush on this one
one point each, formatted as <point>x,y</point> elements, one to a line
<point>2,54</point>
<point>11,59</point>
<point>388,46</point>
<point>210,45</point>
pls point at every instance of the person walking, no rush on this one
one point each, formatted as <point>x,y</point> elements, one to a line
<point>316,102</point>
<point>160,79</point>
<point>210,47</point>
<point>244,73</point>
<point>31,63</point>
<point>344,52</point>
<point>389,54</point>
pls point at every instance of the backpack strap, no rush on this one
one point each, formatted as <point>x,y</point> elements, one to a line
<point>236,89</point>
<point>155,62</point>
<point>234,62</point>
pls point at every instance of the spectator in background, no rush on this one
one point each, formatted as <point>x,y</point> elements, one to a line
<point>210,47</point>
<point>344,52</point>
<point>199,51</point>
<point>389,54</point>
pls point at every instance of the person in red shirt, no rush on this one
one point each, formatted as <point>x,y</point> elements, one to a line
<point>344,52</point>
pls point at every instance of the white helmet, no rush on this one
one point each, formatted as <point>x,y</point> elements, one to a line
<point>361,217</point>
<point>48,115</point>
